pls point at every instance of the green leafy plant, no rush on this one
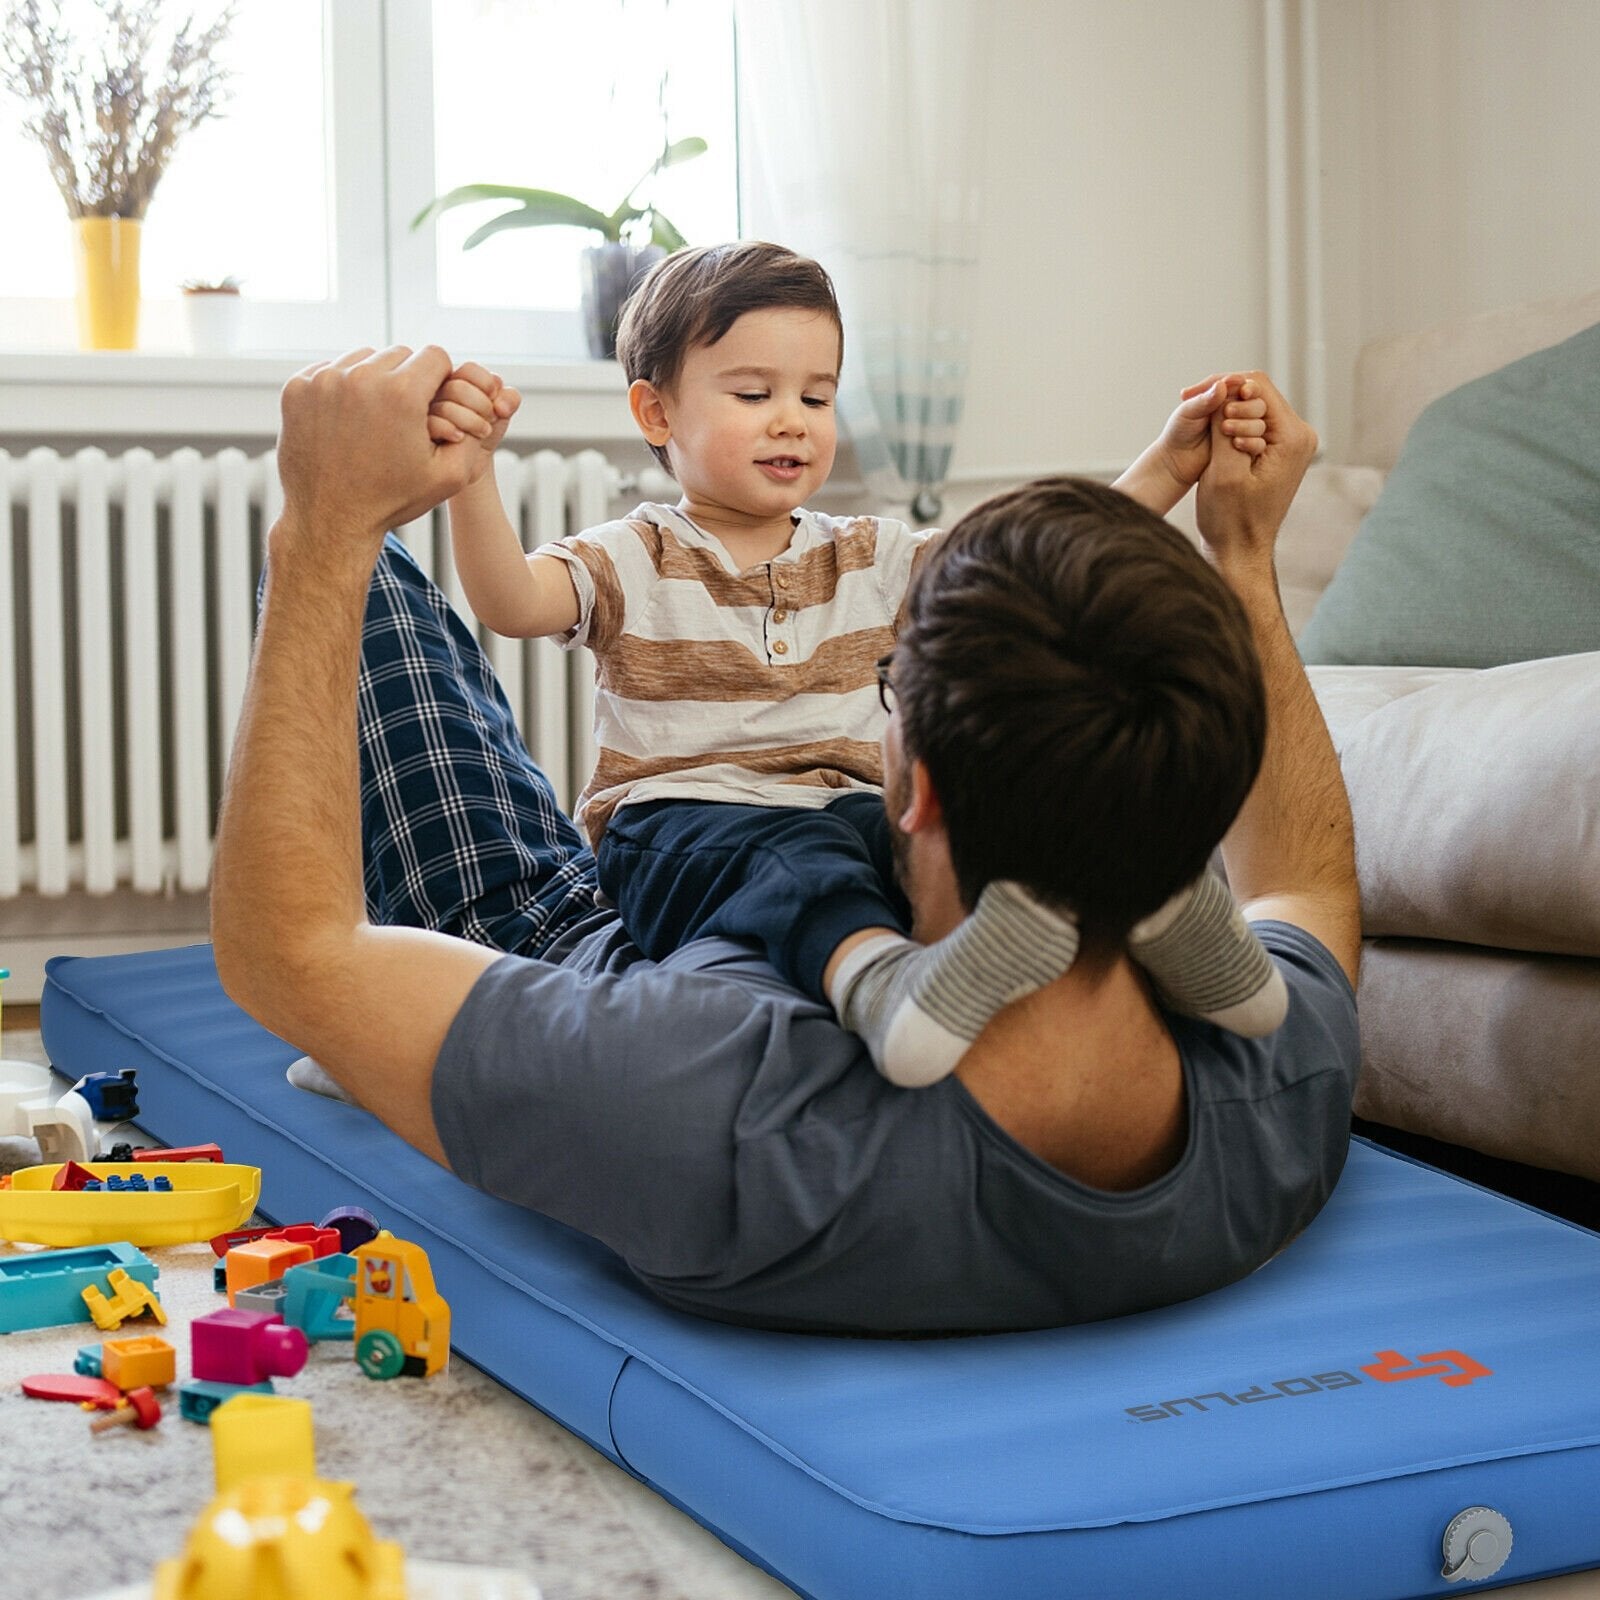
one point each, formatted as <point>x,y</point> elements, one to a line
<point>541,208</point>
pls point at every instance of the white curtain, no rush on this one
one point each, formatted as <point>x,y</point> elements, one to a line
<point>860,144</point>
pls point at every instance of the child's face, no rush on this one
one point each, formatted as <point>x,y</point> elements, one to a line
<point>751,425</point>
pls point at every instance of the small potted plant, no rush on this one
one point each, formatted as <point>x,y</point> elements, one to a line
<point>211,314</point>
<point>109,127</point>
<point>633,237</point>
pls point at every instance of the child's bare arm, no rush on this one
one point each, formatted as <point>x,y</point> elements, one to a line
<point>1172,465</point>
<point>518,595</point>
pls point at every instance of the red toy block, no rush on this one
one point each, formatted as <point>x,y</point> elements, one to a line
<point>222,1243</point>
<point>244,1347</point>
<point>73,1177</point>
<point>323,1241</point>
<point>139,1408</point>
<point>188,1152</point>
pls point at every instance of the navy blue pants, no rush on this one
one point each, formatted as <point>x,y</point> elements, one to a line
<point>796,882</point>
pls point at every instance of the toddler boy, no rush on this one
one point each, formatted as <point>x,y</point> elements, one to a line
<point>744,665</point>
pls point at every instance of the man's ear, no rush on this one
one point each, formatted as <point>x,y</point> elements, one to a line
<point>649,411</point>
<point>921,810</point>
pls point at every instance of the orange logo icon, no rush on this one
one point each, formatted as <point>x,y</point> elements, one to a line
<point>1456,1368</point>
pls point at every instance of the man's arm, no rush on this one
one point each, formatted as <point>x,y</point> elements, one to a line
<point>293,945</point>
<point>1291,851</point>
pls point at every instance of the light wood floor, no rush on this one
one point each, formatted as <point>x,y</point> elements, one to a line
<point>20,1019</point>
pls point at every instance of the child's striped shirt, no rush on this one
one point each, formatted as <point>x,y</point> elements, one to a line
<point>757,687</point>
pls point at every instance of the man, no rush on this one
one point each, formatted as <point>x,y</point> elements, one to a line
<point>1093,1155</point>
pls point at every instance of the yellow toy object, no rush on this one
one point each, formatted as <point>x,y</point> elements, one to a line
<point>402,1321</point>
<point>283,1539</point>
<point>262,1436</point>
<point>205,1198</point>
<point>128,1298</point>
<point>276,1531</point>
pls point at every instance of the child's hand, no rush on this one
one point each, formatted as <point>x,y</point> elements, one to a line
<point>1185,442</point>
<point>473,403</point>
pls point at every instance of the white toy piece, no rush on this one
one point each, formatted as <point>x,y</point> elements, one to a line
<point>64,1127</point>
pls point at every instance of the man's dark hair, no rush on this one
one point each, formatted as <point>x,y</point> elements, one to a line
<point>694,296</point>
<point>1086,695</point>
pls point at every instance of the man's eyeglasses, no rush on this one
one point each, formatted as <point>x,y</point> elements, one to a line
<point>885,687</point>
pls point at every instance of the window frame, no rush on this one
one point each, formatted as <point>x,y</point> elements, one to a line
<point>384,282</point>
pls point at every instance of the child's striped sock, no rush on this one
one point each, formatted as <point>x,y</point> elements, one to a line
<point>919,1007</point>
<point>1207,963</point>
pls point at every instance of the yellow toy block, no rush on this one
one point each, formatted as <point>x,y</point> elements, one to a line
<point>262,1260</point>
<point>262,1436</point>
<point>128,1298</point>
<point>146,1362</point>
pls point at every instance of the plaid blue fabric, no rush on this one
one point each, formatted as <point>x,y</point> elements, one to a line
<point>461,831</point>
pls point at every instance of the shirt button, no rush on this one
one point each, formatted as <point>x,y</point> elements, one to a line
<point>781,579</point>
<point>780,615</point>
<point>779,648</point>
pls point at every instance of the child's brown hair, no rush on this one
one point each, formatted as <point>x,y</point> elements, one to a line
<point>694,296</point>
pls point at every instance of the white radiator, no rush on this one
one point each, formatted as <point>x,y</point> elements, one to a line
<point>127,604</point>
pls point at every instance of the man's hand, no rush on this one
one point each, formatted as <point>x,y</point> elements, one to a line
<point>1187,438</point>
<point>1243,498</point>
<point>473,404</point>
<point>354,452</point>
<point>1170,467</point>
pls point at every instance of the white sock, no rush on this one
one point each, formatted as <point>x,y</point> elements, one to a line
<point>312,1076</point>
<point>919,1007</point>
<point>1207,963</point>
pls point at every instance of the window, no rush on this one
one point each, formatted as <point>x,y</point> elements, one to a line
<point>348,116</point>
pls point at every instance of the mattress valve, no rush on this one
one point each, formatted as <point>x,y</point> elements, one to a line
<point>1476,1545</point>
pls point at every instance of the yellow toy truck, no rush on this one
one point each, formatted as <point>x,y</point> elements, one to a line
<point>402,1321</point>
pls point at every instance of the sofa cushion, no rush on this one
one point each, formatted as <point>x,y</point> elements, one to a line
<point>1484,546</point>
<point>1491,1049</point>
<point>1476,801</point>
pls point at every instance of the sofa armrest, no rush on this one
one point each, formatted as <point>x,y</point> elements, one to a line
<point>1321,523</point>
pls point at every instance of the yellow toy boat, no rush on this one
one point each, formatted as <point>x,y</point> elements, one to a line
<point>206,1198</point>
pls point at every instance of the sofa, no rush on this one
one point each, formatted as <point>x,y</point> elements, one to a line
<point>1443,584</point>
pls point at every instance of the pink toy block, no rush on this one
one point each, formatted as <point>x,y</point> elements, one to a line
<point>244,1347</point>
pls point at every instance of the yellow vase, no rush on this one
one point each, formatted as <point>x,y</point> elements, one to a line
<point>108,282</point>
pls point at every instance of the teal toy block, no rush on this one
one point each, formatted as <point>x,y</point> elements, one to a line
<point>87,1361</point>
<point>199,1397</point>
<point>314,1294</point>
<point>45,1288</point>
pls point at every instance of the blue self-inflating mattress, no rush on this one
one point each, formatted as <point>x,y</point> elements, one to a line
<point>1423,1350</point>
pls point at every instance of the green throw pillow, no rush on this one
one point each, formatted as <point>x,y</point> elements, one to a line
<point>1484,546</point>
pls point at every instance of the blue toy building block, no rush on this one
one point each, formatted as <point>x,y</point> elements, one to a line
<point>45,1289</point>
<point>111,1096</point>
<point>87,1361</point>
<point>314,1291</point>
<point>199,1397</point>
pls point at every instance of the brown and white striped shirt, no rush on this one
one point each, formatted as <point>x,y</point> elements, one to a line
<point>756,687</point>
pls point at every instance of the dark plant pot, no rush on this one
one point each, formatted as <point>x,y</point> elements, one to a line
<point>606,273</point>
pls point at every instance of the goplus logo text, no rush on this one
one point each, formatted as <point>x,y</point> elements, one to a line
<point>1453,1368</point>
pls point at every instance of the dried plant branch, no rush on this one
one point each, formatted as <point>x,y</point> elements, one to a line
<point>109,127</point>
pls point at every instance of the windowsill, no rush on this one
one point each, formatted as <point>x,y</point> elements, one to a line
<point>93,394</point>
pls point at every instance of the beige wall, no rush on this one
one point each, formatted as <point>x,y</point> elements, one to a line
<point>1125,250</point>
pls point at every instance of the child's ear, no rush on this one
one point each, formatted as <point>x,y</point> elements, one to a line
<point>649,411</point>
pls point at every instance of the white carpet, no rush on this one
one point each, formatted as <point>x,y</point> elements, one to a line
<point>455,1468</point>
